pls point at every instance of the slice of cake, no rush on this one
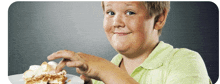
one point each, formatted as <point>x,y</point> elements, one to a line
<point>44,74</point>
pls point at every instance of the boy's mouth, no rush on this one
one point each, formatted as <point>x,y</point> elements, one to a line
<point>122,33</point>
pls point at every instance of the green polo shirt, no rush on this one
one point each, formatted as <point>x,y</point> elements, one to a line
<point>168,65</point>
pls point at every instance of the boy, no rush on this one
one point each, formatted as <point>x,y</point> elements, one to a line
<point>133,30</point>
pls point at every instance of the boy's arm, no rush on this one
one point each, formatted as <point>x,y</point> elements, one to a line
<point>113,76</point>
<point>116,76</point>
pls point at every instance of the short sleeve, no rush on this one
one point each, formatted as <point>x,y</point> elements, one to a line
<point>187,67</point>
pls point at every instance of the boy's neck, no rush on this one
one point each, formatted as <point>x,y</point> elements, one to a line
<point>129,64</point>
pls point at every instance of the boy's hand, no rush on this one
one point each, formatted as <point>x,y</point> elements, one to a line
<point>87,65</point>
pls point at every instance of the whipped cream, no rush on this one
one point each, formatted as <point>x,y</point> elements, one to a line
<point>53,64</point>
<point>34,67</point>
<point>44,68</point>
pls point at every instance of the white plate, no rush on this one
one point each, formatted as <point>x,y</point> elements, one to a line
<point>17,79</point>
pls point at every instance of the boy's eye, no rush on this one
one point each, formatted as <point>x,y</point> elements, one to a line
<point>130,13</point>
<point>110,13</point>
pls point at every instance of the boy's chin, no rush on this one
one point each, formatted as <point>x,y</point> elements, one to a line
<point>124,52</point>
<point>130,53</point>
<point>120,48</point>
<point>120,51</point>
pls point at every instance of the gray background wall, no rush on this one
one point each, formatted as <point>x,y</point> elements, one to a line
<point>37,29</point>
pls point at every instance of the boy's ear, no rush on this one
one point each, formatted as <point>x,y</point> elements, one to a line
<point>161,20</point>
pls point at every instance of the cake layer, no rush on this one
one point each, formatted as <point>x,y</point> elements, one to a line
<point>44,74</point>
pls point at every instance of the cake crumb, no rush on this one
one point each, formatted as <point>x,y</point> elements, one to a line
<point>69,80</point>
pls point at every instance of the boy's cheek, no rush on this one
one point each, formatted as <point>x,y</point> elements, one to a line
<point>107,28</point>
<point>107,24</point>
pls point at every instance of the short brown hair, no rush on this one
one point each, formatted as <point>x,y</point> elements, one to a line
<point>155,9</point>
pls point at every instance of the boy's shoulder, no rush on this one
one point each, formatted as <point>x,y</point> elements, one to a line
<point>186,56</point>
<point>184,52</point>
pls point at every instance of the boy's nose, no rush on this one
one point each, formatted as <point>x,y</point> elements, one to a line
<point>118,21</point>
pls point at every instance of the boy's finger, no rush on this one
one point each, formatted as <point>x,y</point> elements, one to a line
<point>61,65</point>
<point>86,79</point>
<point>83,77</point>
<point>66,54</point>
<point>77,64</point>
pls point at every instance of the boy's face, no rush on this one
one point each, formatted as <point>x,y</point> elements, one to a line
<point>128,26</point>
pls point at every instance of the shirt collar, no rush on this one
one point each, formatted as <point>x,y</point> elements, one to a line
<point>117,59</point>
<point>157,56</point>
